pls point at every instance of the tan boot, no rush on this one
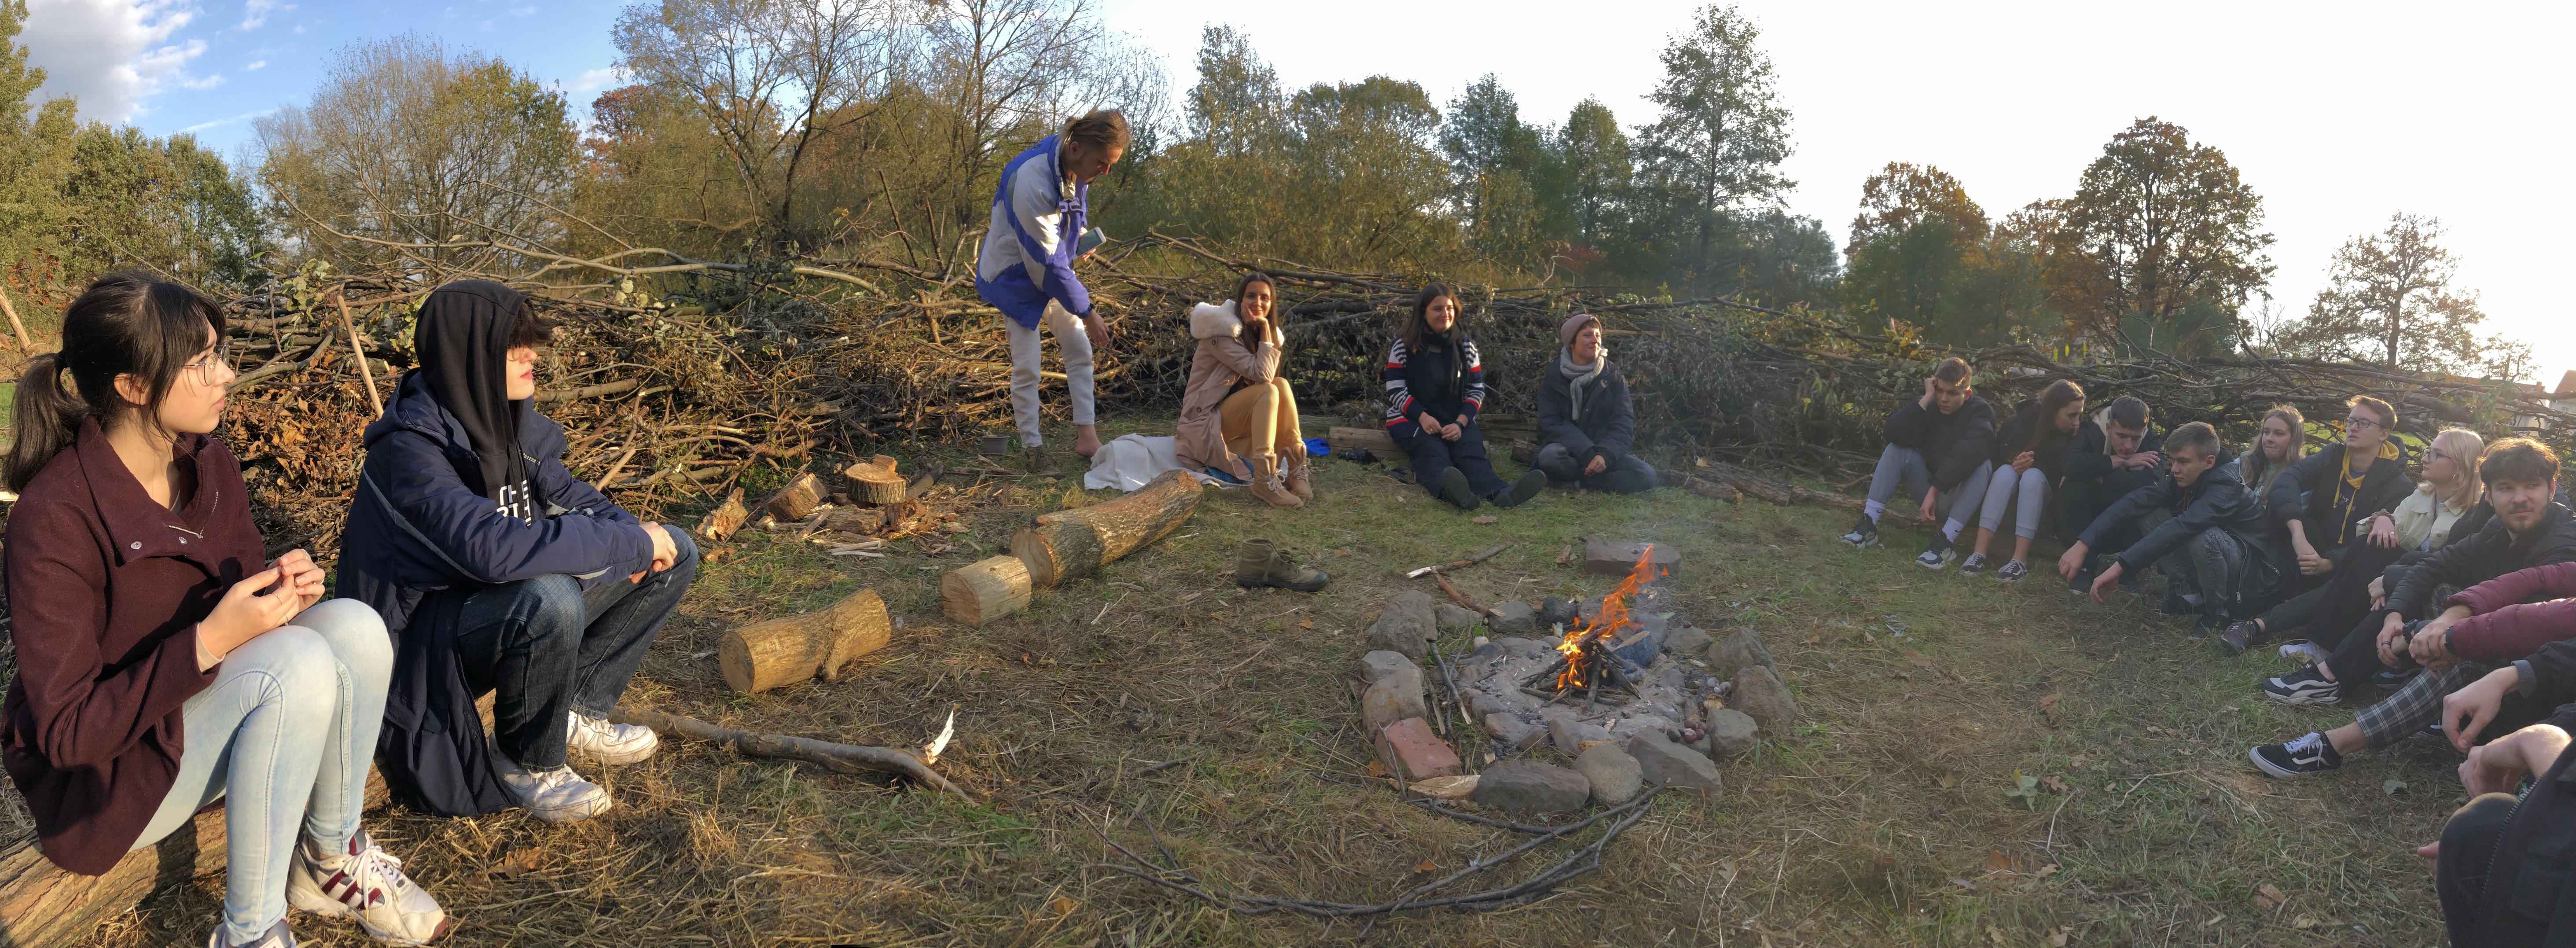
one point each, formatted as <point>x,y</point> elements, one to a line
<point>1263,563</point>
<point>1265,484</point>
<point>1301,478</point>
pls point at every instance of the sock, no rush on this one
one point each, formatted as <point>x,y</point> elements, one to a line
<point>1872,509</point>
<point>1950,531</point>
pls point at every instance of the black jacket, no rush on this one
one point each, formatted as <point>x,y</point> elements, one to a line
<point>2490,553</point>
<point>1953,444</point>
<point>1609,420</point>
<point>2313,480</point>
<point>2088,459</point>
<point>2049,455</point>
<point>2215,501</point>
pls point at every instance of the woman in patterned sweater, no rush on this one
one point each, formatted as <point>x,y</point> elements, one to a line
<point>1435,384</point>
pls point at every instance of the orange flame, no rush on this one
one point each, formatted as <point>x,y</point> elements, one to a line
<point>1614,616</point>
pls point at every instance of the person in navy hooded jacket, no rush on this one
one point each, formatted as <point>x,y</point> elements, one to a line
<point>498,570</point>
<point>1025,268</point>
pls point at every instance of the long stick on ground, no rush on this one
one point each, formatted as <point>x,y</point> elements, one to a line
<point>840,758</point>
<point>373,400</point>
<point>1460,564</point>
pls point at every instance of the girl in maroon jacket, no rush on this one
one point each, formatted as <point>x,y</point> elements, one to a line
<point>163,661</point>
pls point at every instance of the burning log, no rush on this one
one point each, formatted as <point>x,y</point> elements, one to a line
<point>765,655</point>
<point>1072,543</point>
<point>874,481</point>
<point>984,591</point>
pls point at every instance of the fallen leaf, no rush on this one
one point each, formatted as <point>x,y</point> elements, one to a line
<point>2304,923</point>
<point>2057,939</point>
<point>1306,623</point>
<point>2048,707</point>
<point>1377,768</point>
<point>2268,897</point>
<point>519,862</point>
<point>1425,866</point>
<point>2392,787</point>
<point>2054,785</point>
<point>1063,905</point>
<point>1964,884</point>
<point>1917,659</point>
<point>1447,788</point>
<point>1996,861</point>
<point>1995,935</point>
<point>1488,518</point>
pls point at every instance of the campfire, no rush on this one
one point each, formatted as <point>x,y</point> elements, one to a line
<point>1587,654</point>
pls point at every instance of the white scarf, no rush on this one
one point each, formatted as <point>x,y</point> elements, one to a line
<point>1578,376</point>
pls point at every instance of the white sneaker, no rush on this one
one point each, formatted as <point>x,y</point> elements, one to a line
<point>555,796</point>
<point>275,937</point>
<point>366,884</point>
<point>608,743</point>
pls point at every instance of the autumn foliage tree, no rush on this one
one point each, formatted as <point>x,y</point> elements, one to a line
<point>2389,299</point>
<point>2162,244</point>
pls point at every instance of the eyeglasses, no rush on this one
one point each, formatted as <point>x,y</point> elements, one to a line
<point>2436,454</point>
<point>2357,421</point>
<point>216,360</point>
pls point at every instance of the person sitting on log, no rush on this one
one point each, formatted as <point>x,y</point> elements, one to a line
<point>1937,447</point>
<point>2423,522</point>
<point>1585,421</point>
<point>2530,529</point>
<point>1025,267</point>
<point>2113,453</point>
<point>2029,457</point>
<point>164,662</point>
<point>498,570</point>
<point>2204,530</point>
<point>1238,415</point>
<point>1435,384</point>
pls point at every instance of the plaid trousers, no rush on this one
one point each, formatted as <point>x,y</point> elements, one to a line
<point>2417,704</point>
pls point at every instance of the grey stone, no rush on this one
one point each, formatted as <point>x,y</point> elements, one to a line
<point>1686,640</point>
<point>1613,772</point>
<point>1393,698</point>
<point>1405,625</point>
<point>1553,611</point>
<point>1569,733</point>
<point>1662,761</point>
<point>1524,786</point>
<point>1759,692</point>
<point>1451,616</point>
<point>1513,617</point>
<point>1739,651</point>
<point>1526,648</point>
<point>1730,732</point>
<point>1485,704</point>
<point>1512,731</point>
<point>1381,663</point>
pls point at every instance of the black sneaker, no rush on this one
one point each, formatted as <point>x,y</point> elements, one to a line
<point>1973,565</point>
<point>2174,604</point>
<point>2434,731</point>
<point>2082,584</point>
<point>2240,636</point>
<point>2013,572</point>
<point>1454,489</point>
<point>1936,555</point>
<point>2208,625</point>
<point>1527,488</point>
<point>1862,535</point>
<point>2306,687</point>
<point>2312,754</point>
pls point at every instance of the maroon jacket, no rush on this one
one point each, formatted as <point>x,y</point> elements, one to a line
<point>105,590</point>
<point>2516,613</point>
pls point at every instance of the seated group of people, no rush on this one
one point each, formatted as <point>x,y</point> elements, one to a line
<point>1239,417</point>
<point>165,661</point>
<point>2452,594</point>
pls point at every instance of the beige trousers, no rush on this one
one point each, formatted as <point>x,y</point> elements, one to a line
<point>1261,420</point>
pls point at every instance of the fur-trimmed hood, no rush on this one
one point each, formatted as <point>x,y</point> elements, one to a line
<point>1215,321</point>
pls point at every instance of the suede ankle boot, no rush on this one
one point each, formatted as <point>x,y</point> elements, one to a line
<point>1301,477</point>
<point>1262,563</point>
<point>1265,484</point>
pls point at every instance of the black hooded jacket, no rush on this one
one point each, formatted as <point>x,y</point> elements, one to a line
<point>2493,551</point>
<point>2216,501</point>
<point>2307,488</point>
<point>2088,459</point>
<point>1953,444</point>
<point>2048,454</point>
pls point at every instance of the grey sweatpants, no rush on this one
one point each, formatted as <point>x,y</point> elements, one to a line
<point>1905,467</point>
<point>2026,493</point>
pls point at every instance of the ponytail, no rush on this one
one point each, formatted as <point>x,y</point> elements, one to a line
<point>46,419</point>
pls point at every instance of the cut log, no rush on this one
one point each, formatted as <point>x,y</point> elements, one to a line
<point>874,481</point>
<point>1072,543</point>
<point>1375,440</point>
<point>984,591</point>
<point>719,524</point>
<point>795,501</point>
<point>765,655</point>
<point>1713,489</point>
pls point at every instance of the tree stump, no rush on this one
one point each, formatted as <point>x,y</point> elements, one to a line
<point>874,481</point>
<point>984,591</point>
<point>720,523</point>
<point>795,501</point>
<point>765,655</point>
<point>1070,543</point>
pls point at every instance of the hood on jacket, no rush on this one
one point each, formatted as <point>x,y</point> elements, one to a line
<point>1215,321</point>
<point>463,341</point>
<point>2102,419</point>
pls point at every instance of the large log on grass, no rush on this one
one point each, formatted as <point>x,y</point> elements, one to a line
<point>765,655</point>
<point>1070,543</point>
<point>874,481</point>
<point>1373,440</point>
<point>1784,493</point>
<point>984,591</point>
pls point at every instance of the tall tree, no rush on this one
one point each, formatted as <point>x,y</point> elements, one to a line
<point>2389,297</point>
<point>1507,181</point>
<point>1599,169</point>
<point>1719,142</point>
<point>1914,244</point>
<point>1235,105</point>
<point>1371,144</point>
<point>2172,239</point>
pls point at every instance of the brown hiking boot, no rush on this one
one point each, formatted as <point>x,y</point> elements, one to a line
<point>1263,563</point>
<point>1265,484</point>
<point>1301,477</point>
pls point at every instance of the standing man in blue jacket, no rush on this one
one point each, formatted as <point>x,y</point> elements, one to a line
<point>1025,268</point>
<point>497,570</point>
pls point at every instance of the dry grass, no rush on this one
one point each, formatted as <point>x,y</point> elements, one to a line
<point>1886,822</point>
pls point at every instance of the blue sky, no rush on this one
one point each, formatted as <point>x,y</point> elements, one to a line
<point>2338,114</point>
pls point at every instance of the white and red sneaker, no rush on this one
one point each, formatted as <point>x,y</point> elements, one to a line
<point>365,884</point>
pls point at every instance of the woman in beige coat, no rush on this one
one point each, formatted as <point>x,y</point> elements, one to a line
<point>1238,417</point>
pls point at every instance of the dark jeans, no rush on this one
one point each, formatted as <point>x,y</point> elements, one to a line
<point>547,647</point>
<point>2468,852</point>
<point>2329,610</point>
<point>1628,475</point>
<point>1431,456</point>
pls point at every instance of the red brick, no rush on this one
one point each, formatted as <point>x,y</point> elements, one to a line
<point>1409,748</point>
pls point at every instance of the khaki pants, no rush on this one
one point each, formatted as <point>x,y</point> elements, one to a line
<point>1261,421</point>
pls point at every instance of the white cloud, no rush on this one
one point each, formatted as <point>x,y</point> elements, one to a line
<point>255,65</point>
<point>202,126</point>
<point>110,54</point>
<point>255,13</point>
<point>593,80</point>
<point>530,10</point>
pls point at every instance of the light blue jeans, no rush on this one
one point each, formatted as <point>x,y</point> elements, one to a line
<point>284,736</point>
<point>2027,495</point>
